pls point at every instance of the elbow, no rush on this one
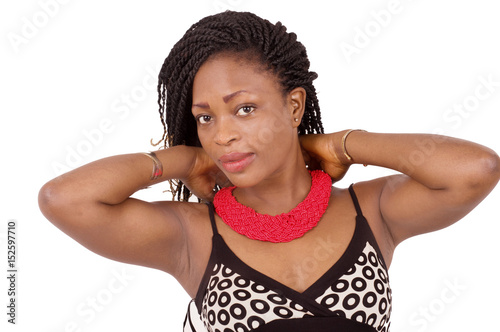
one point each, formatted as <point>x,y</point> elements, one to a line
<point>484,174</point>
<point>490,165</point>
<point>46,199</point>
<point>474,180</point>
<point>51,200</point>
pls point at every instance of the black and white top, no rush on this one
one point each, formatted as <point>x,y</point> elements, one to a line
<point>353,295</point>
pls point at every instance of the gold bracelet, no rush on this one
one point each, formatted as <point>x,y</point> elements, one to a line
<point>344,138</point>
<point>157,166</point>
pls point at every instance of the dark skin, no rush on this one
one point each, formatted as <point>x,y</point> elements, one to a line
<point>241,108</point>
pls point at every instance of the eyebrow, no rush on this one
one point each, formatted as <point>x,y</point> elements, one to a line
<point>201,105</point>
<point>226,99</point>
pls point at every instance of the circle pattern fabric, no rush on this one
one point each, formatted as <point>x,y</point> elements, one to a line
<point>363,293</point>
<point>235,303</point>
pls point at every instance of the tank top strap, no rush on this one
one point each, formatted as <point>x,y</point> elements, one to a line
<point>211,212</point>
<point>355,201</point>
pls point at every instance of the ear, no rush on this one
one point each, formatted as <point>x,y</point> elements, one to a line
<point>296,101</point>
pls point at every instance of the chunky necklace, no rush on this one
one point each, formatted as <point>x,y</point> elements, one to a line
<point>284,227</point>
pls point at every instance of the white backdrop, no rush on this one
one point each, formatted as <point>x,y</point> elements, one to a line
<point>78,84</point>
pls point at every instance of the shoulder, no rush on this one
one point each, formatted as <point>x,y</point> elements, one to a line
<point>368,194</point>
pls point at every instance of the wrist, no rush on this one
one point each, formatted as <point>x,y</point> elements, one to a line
<point>176,161</point>
<point>341,146</point>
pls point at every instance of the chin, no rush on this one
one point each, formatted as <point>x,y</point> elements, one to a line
<point>244,179</point>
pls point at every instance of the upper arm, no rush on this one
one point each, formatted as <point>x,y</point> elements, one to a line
<point>134,231</point>
<point>409,208</point>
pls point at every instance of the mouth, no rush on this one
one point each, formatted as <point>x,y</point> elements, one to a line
<point>235,162</point>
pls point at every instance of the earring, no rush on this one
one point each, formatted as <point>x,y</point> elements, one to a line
<point>296,120</point>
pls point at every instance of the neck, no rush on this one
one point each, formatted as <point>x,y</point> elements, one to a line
<point>280,193</point>
<point>289,225</point>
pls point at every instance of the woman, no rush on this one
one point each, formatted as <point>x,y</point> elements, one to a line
<point>279,248</point>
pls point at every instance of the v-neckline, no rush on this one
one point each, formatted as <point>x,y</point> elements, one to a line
<point>315,289</point>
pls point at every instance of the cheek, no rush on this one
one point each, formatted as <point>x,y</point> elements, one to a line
<point>272,131</point>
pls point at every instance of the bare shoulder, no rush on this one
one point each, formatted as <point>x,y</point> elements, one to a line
<point>368,194</point>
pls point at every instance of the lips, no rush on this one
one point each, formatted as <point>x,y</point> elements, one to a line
<point>236,161</point>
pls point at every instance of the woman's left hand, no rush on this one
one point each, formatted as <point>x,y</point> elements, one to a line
<point>320,153</point>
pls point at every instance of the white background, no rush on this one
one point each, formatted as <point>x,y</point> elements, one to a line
<point>68,68</point>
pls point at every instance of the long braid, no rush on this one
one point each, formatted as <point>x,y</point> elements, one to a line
<point>236,32</point>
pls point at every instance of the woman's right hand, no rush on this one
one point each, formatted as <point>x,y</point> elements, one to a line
<point>93,205</point>
<point>204,175</point>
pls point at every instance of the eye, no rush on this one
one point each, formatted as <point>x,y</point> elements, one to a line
<point>245,110</point>
<point>203,119</point>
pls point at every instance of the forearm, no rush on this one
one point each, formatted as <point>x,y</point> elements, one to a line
<point>112,180</point>
<point>438,162</point>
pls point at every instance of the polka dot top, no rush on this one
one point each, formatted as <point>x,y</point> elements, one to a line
<point>353,295</point>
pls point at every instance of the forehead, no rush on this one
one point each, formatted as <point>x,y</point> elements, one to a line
<point>227,73</point>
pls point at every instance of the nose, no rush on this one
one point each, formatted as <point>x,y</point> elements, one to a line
<point>225,133</point>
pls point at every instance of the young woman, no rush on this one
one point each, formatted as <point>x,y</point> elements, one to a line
<point>243,133</point>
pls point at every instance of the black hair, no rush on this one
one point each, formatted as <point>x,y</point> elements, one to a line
<point>234,32</point>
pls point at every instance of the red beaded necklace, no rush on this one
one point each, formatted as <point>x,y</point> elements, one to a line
<point>284,227</point>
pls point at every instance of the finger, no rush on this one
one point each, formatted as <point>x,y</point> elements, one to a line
<point>306,156</point>
<point>222,180</point>
<point>307,142</point>
<point>207,195</point>
<point>210,197</point>
<point>314,164</point>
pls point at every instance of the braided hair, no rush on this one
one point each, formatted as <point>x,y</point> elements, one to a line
<point>239,33</point>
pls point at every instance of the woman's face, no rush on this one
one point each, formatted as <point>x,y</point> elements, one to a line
<point>245,123</point>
